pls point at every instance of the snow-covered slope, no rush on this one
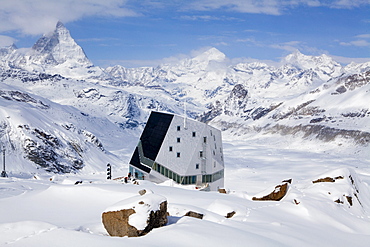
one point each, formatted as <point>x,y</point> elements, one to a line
<point>309,97</point>
<point>54,210</point>
<point>37,133</point>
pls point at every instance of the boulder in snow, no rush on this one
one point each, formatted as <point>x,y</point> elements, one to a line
<point>194,215</point>
<point>278,194</point>
<point>136,216</point>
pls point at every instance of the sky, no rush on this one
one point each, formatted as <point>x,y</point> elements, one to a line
<point>137,33</point>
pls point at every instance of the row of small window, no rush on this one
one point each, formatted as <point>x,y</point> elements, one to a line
<point>178,154</point>
<point>173,175</point>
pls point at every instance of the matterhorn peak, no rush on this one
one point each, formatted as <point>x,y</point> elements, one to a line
<point>60,25</point>
<point>59,47</point>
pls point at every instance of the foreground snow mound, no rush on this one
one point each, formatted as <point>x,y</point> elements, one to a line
<point>14,232</point>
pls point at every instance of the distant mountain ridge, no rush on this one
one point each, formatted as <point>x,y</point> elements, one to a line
<point>310,97</point>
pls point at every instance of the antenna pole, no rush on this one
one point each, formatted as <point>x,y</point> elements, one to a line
<point>3,173</point>
<point>185,115</point>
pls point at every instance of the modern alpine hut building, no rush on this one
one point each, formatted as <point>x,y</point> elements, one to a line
<point>184,150</point>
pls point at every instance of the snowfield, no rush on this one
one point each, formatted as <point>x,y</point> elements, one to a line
<point>49,210</point>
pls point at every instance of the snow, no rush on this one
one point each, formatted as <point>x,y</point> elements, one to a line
<point>38,208</point>
<point>38,212</point>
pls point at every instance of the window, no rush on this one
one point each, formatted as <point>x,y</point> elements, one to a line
<point>178,154</point>
<point>205,139</point>
<point>194,133</point>
<point>196,166</point>
<point>201,154</point>
<point>170,148</point>
<point>178,139</point>
<point>214,164</point>
<point>178,128</point>
<point>214,152</point>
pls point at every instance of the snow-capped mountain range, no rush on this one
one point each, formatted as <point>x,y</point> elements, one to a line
<point>52,95</point>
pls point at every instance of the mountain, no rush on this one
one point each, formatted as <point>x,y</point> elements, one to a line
<point>53,53</point>
<point>37,133</point>
<point>309,98</point>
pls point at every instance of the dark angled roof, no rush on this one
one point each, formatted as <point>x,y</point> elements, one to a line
<point>154,132</point>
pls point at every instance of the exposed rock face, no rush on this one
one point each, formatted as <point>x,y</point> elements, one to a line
<point>128,221</point>
<point>278,194</point>
<point>116,223</point>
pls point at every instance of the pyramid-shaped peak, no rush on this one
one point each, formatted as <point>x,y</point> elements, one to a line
<point>211,54</point>
<point>59,47</point>
<point>60,25</point>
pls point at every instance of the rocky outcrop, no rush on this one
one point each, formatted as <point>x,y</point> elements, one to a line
<point>278,194</point>
<point>327,179</point>
<point>136,216</point>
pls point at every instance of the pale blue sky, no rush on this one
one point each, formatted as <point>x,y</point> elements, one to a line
<point>149,32</point>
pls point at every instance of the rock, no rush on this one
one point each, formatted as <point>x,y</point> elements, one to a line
<point>142,192</point>
<point>338,201</point>
<point>289,181</point>
<point>116,223</point>
<point>223,191</point>
<point>194,215</point>
<point>135,216</point>
<point>229,215</point>
<point>349,199</point>
<point>278,194</point>
<point>327,179</point>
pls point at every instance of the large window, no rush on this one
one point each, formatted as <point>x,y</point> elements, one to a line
<point>209,178</point>
<point>178,128</point>
<point>174,176</point>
